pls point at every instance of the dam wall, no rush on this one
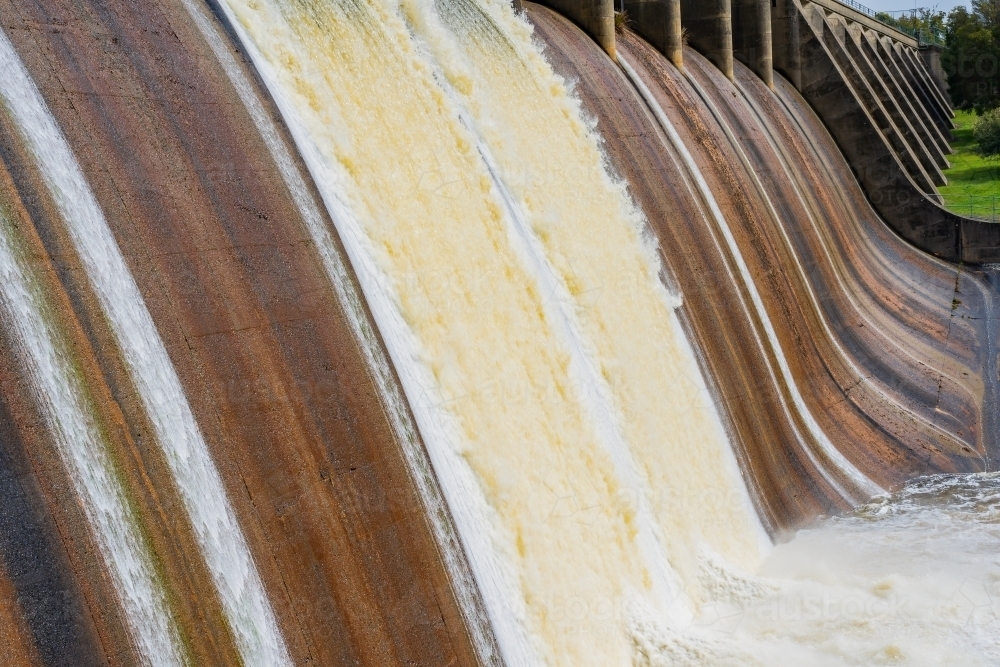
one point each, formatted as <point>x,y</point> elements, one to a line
<point>431,333</point>
<point>882,95</point>
<point>852,79</point>
<point>790,172</point>
<point>283,371</point>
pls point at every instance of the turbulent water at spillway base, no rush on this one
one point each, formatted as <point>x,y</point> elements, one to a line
<point>535,331</point>
<point>911,578</point>
<point>524,306</point>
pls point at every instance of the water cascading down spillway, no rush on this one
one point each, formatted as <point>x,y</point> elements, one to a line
<point>223,546</point>
<point>578,447</point>
<point>599,485</point>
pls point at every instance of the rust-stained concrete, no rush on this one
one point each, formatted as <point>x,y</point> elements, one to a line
<point>887,345</point>
<point>277,381</point>
<point>61,593</point>
<point>16,646</point>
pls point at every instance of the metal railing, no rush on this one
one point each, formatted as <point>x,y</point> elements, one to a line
<point>905,19</point>
<point>923,37</point>
<point>979,207</point>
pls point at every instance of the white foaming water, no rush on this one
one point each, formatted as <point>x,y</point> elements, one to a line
<point>911,579</point>
<point>495,346</point>
<point>827,455</point>
<point>598,250</point>
<point>223,546</point>
<point>77,435</point>
<point>354,304</point>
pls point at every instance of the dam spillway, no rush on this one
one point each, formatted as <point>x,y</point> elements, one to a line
<point>490,349</point>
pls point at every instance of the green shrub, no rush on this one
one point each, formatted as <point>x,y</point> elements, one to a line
<point>986,132</point>
<point>621,21</point>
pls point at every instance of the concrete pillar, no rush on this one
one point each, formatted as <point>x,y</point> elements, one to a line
<point>931,55</point>
<point>709,25</point>
<point>659,23</point>
<point>752,41</point>
<point>785,41</point>
<point>594,17</point>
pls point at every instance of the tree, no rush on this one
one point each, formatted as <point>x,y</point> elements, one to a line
<point>927,24</point>
<point>972,55</point>
<point>986,132</point>
<point>989,10</point>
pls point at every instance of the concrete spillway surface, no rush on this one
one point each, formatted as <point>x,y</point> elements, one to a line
<point>424,356</point>
<point>268,358</point>
<point>248,612</point>
<point>78,438</point>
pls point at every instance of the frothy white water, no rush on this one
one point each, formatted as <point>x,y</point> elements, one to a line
<point>817,446</point>
<point>354,305</point>
<point>223,546</point>
<point>911,578</point>
<point>534,397</point>
<point>70,417</point>
<point>598,261</point>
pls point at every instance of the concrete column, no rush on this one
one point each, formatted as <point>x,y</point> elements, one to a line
<point>709,24</point>
<point>785,41</point>
<point>659,23</point>
<point>595,17</point>
<point>752,41</point>
<point>931,55</point>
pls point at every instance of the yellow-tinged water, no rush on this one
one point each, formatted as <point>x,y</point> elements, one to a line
<point>594,238</point>
<point>521,269</point>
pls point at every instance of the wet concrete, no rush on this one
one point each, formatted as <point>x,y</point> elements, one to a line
<point>892,372</point>
<point>276,378</point>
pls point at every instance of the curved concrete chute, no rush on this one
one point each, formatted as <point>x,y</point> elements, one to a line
<point>265,354</point>
<point>865,328</point>
<point>896,372</point>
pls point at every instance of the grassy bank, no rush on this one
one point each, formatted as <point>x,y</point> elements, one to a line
<point>973,183</point>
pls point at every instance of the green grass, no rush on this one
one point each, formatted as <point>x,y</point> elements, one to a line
<point>973,182</point>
